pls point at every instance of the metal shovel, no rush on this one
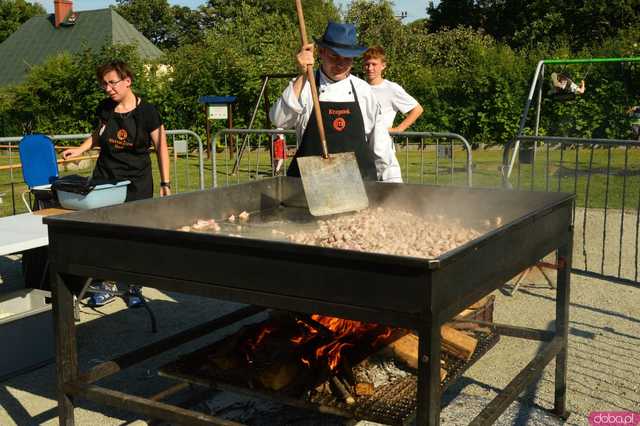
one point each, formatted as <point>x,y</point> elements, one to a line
<point>332,184</point>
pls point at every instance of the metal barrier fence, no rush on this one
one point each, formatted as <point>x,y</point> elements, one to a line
<point>179,140</point>
<point>423,156</point>
<point>605,176</point>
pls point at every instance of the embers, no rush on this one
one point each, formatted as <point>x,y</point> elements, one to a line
<point>294,353</point>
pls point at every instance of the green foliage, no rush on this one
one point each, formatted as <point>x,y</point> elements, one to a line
<point>470,80</point>
<point>61,95</point>
<point>153,18</point>
<point>14,13</point>
<point>522,23</point>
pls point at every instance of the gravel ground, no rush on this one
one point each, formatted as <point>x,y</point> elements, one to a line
<point>604,364</point>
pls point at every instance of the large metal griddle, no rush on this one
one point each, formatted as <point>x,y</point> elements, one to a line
<point>138,242</point>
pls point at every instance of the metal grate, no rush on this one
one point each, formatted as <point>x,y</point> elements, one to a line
<point>394,403</point>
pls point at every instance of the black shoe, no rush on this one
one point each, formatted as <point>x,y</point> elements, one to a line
<point>134,297</point>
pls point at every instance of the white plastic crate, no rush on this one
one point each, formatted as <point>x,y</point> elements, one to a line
<point>26,331</point>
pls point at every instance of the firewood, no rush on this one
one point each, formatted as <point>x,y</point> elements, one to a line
<point>465,314</point>
<point>225,356</point>
<point>278,376</point>
<point>471,309</point>
<point>323,388</point>
<point>364,389</point>
<point>405,350</point>
<point>480,303</point>
<point>323,331</point>
<point>347,371</point>
<point>342,390</point>
<point>457,343</point>
<point>225,361</point>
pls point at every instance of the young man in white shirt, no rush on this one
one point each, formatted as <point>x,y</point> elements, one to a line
<point>351,114</point>
<point>392,97</point>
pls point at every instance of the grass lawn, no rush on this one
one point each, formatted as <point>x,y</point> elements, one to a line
<point>567,170</point>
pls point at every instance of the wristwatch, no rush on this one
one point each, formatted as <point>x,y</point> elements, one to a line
<point>165,184</point>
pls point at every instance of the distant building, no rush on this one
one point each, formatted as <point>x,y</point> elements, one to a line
<point>66,31</point>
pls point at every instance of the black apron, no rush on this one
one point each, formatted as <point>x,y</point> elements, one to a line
<point>124,154</point>
<point>344,129</point>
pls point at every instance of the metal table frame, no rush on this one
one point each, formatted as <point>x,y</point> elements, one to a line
<point>440,302</point>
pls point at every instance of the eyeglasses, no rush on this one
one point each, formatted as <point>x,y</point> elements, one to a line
<point>111,83</point>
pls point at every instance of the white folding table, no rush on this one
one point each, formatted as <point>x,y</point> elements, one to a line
<point>22,232</point>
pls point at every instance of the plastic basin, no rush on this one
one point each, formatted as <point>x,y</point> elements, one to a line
<point>100,196</point>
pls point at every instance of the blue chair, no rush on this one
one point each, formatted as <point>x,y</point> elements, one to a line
<point>39,168</point>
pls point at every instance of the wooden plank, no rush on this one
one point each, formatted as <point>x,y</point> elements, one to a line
<point>457,343</point>
<point>405,350</point>
<point>53,211</point>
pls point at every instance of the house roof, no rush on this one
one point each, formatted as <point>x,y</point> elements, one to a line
<point>38,39</point>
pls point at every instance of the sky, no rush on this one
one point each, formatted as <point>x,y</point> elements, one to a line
<point>415,9</point>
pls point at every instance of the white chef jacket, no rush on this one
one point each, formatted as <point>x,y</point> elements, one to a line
<point>392,98</point>
<point>291,112</point>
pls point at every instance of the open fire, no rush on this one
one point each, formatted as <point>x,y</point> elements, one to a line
<point>321,342</point>
<point>296,353</point>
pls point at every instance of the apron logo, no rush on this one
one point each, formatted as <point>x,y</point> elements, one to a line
<point>122,135</point>
<point>339,124</point>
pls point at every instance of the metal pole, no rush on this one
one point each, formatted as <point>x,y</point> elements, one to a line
<point>590,60</point>
<point>208,130</point>
<point>66,345</point>
<point>563,295</point>
<point>200,151</point>
<point>429,374</point>
<point>508,164</point>
<point>253,117</point>
<point>539,106</point>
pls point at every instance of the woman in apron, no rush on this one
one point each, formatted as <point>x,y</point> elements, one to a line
<point>127,128</point>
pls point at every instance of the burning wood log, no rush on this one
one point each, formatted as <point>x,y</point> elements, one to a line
<point>457,343</point>
<point>320,328</point>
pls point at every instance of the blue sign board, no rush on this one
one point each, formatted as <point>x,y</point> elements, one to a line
<point>217,100</point>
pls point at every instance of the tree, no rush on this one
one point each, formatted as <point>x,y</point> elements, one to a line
<point>449,14</point>
<point>153,18</point>
<point>61,95</point>
<point>231,60</point>
<point>189,25</point>
<point>13,13</point>
<point>377,24</point>
<point>524,23</point>
<point>316,12</point>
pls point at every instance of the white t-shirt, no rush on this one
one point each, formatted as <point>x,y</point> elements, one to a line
<point>392,98</point>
